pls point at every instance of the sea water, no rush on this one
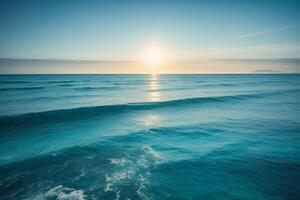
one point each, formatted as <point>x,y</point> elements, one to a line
<point>150,137</point>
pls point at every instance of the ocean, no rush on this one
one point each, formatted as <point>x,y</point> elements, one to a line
<point>183,137</point>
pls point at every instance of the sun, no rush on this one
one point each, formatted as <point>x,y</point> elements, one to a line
<point>154,57</point>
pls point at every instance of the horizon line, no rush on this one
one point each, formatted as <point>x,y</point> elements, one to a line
<point>231,73</point>
<point>202,66</point>
<point>136,61</point>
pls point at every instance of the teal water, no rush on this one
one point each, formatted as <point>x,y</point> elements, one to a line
<point>150,137</point>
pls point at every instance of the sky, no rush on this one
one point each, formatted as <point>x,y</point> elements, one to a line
<point>72,36</point>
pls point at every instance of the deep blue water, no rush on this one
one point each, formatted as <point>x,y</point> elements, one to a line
<point>150,137</point>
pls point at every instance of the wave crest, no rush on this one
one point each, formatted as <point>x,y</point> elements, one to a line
<point>82,113</point>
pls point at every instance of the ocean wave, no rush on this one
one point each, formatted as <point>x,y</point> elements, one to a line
<point>63,81</point>
<point>90,112</point>
<point>35,81</point>
<point>96,88</point>
<point>14,81</point>
<point>190,88</point>
<point>205,84</point>
<point>48,98</point>
<point>21,88</point>
<point>64,85</point>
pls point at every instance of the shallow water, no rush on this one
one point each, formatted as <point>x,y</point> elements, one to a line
<point>150,137</point>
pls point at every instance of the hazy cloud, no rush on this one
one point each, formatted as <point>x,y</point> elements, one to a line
<point>263,32</point>
<point>256,51</point>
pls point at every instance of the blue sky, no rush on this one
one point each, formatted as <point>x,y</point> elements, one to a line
<point>187,31</point>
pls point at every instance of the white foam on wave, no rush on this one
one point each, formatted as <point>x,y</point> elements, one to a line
<point>117,178</point>
<point>144,181</point>
<point>156,156</point>
<point>132,170</point>
<point>82,174</point>
<point>62,193</point>
<point>120,161</point>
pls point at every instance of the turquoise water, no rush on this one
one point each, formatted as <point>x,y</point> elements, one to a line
<point>150,137</point>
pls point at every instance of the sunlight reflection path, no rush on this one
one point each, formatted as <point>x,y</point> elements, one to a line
<point>154,88</point>
<point>152,118</point>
